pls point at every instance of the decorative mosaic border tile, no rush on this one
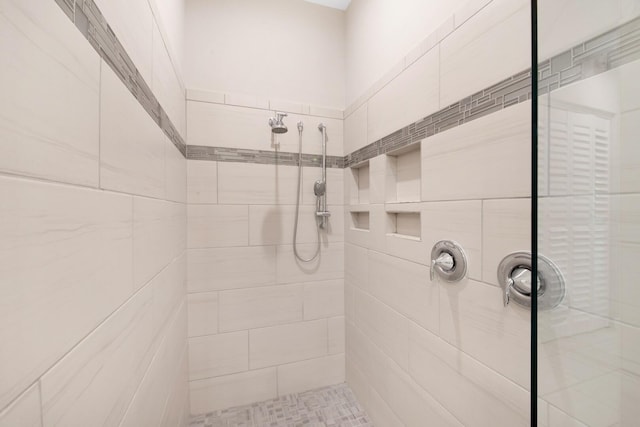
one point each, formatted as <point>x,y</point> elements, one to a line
<point>89,20</point>
<point>605,52</point>
<point>602,53</point>
<point>240,155</point>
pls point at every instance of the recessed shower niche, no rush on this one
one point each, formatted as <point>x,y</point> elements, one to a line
<point>403,223</point>
<point>359,185</point>
<point>404,175</point>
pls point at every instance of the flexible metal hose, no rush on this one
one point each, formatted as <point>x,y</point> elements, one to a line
<point>295,226</point>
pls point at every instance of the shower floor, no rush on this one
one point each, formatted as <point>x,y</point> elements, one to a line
<point>333,406</point>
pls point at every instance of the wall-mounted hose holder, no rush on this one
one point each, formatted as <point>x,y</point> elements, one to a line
<point>448,261</point>
<point>514,275</point>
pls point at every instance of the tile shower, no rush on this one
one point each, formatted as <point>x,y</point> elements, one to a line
<point>147,274</point>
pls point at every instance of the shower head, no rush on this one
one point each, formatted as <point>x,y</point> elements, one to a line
<point>277,125</point>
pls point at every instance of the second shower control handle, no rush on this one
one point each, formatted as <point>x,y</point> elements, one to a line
<point>444,261</point>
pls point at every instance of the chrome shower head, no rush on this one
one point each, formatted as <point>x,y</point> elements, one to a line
<point>277,125</point>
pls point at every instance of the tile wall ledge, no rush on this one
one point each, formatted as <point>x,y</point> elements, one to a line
<point>247,101</point>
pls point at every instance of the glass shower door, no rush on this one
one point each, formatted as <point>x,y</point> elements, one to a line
<point>589,211</point>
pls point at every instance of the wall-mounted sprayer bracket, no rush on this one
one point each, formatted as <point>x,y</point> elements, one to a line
<point>514,275</point>
<point>448,261</point>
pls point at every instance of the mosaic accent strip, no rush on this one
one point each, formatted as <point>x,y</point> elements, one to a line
<point>89,20</point>
<point>240,155</point>
<point>605,52</point>
<point>333,406</point>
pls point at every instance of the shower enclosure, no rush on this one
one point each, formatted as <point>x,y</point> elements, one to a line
<point>588,175</point>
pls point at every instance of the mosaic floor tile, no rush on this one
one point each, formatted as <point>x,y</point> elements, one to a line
<point>333,406</point>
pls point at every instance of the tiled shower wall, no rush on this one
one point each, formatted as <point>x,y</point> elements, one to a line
<point>261,324</point>
<point>92,237</point>
<point>422,352</point>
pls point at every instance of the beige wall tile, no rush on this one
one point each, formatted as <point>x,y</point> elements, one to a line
<point>405,286</point>
<point>463,385</point>
<point>25,411</point>
<point>233,390</point>
<point>202,179</point>
<point>329,265</point>
<point>412,95</point>
<point>158,236</point>
<point>310,374</point>
<point>505,228</point>
<point>175,173</point>
<point>258,307</point>
<point>469,60</point>
<point>213,226</point>
<point>132,149</point>
<point>323,299</point>
<point>66,265</point>
<point>477,158</point>
<point>231,268</point>
<point>104,371</point>
<point>355,130</point>
<point>294,342</point>
<point>273,225</point>
<point>148,404</point>
<point>132,22</point>
<point>216,355</point>
<point>51,75</point>
<point>247,183</point>
<point>388,329</point>
<point>336,327</point>
<point>203,313</point>
<point>474,319</point>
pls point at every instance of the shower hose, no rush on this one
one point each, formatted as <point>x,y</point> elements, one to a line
<point>295,226</point>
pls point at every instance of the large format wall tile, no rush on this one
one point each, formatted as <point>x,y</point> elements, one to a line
<point>388,329</point>
<point>103,371</point>
<point>355,130</point>
<point>247,183</point>
<point>478,158</point>
<point>214,226</point>
<point>50,84</point>
<point>132,151</point>
<point>203,313</point>
<point>409,97</point>
<point>231,268</point>
<point>218,125</point>
<point>323,299</point>
<point>404,286</point>
<point>65,264</point>
<point>202,181</point>
<point>166,86</point>
<point>132,23</point>
<point>158,236</point>
<point>175,176</point>
<point>258,307</point>
<point>506,228</point>
<point>233,390</point>
<point>216,355</point>
<point>469,59</point>
<point>273,225</point>
<point>329,265</point>
<point>277,345</point>
<point>25,411</point>
<point>147,406</point>
<point>472,392</point>
<point>474,319</point>
<point>310,374</point>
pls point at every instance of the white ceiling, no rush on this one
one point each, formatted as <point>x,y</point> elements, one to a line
<point>336,4</point>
